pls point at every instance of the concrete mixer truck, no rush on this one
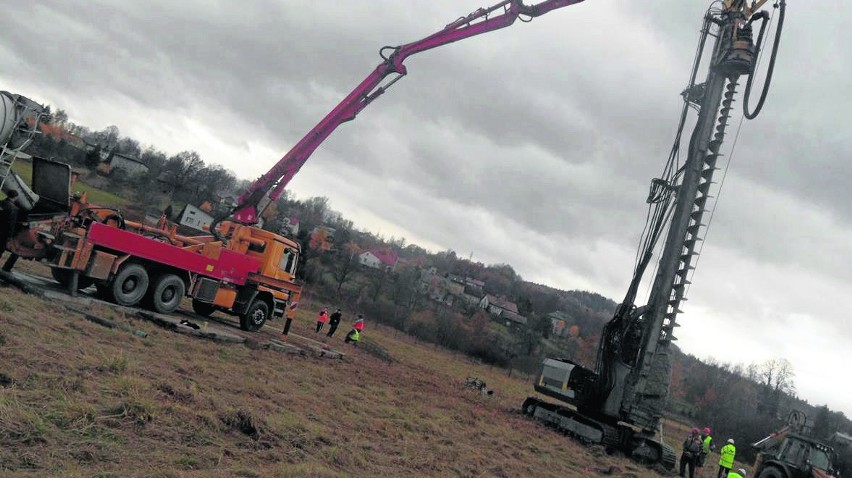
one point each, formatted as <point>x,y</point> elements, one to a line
<point>19,120</point>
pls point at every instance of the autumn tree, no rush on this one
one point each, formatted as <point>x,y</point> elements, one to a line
<point>574,331</point>
<point>320,242</point>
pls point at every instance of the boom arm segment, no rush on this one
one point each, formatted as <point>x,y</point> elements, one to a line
<point>271,185</point>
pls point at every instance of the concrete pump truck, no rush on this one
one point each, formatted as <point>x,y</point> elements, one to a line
<point>239,268</point>
<point>620,403</point>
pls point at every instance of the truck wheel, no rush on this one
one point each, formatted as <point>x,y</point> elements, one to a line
<point>770,473</point>
<point>129,285</point>
<point>203,308</point>
<point>63,276</point>
<point>255,316</point>
<point>167,293</point>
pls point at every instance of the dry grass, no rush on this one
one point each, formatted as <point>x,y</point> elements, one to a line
<point>77,399</point>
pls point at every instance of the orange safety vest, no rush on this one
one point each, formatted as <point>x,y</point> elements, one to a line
<point>323,317</point>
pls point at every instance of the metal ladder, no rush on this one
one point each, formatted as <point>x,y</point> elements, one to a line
<point>22,133</point>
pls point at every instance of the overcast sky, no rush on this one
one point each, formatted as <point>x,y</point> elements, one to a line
<point>533,145</point>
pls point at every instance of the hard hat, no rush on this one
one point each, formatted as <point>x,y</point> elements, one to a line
<point>696,430</point>
<point>741,471</point>
<point>707,430</point>
<point>731,441</point>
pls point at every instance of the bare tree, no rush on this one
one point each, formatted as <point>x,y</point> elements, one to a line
<point>346,264</point>
<point>182,170</point>
<point>377,279</point>
<point>778,375</point>
<point>60,117</point>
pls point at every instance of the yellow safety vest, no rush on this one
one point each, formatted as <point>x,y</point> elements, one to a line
<point>728,452</point>
<point>707,441</point>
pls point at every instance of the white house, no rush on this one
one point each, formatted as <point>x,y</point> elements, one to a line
<point>378,260</point>
<point>195,218</point>
<point>290,226</point>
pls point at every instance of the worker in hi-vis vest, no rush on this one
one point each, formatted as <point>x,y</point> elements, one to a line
<point>728,452</point>
<point>354,335</point>
<point>741,473</point>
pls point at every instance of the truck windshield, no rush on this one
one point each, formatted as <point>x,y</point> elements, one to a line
<point>819,459</point>
<point>288,261</point>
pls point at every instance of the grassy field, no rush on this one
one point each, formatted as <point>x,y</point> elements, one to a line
<point>77,399</point>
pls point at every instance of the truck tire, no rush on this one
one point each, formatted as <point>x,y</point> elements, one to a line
<point>770,473</point>
<point>255,316</point>
<point>128,287</point>
<point>63,276</point>
<point>166,293</point>
<point>203,308</point>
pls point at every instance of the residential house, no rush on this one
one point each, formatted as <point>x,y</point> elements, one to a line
<point>502,309</point>
<point>559,323</point>
<point>496,305</point>
<point>438,290</point>
<point>474,282</point>
<point>513,319</point>
<point>290,226</point>
<point>379,259</point>
<point>473,295</point>
<point>128,163</point>
<point>328,230</point>
<point>195,218</point>
<point>114,161</point>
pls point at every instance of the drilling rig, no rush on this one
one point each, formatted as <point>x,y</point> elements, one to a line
<point>620,403</point>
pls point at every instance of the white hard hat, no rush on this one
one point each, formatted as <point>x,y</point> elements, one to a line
<point>741,471</point>
<point>731,441</point>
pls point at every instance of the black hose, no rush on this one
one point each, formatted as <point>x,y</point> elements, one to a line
<point>215,224</point>
<point>765,91</point>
